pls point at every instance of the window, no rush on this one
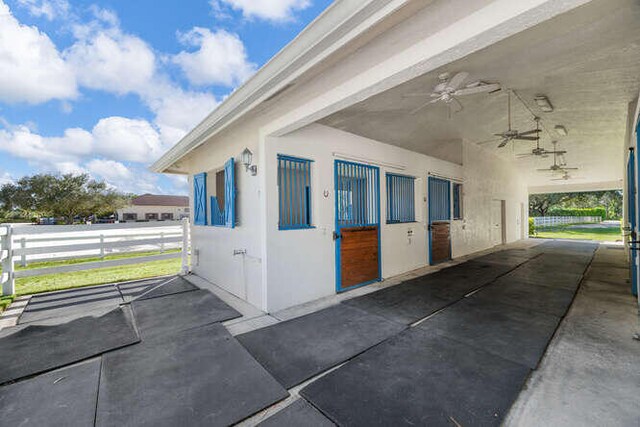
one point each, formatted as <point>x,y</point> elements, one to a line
<point>151,216</point>
<point>457,201</point>
<point>222,204</point>
<point>129,217</point>
<point>400,199</point>
<point>166,216</point>
<point>294,193</point>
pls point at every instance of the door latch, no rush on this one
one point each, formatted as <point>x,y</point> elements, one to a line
<point>336,235</point>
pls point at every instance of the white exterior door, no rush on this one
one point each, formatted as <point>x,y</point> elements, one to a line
<point>496,222</point>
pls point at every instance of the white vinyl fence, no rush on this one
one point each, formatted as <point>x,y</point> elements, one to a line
<point>550,221</point>
<point>21,244</point>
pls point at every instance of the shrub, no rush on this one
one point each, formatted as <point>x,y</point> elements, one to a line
<point>599,211</point>
<point>532,227</point>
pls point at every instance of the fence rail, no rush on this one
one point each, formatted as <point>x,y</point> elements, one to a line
<point>550,221</point>
<point>26,244</point>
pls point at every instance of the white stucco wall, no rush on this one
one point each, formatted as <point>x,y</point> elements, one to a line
<point>301,263</point>
<point>240,274</point>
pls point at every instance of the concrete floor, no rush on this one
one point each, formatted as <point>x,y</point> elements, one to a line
<point>590,375</point>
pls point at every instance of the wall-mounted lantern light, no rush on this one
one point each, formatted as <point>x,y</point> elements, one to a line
<point>247,159</point>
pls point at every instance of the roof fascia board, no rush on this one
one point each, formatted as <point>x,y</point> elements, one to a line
<point>336,26</point>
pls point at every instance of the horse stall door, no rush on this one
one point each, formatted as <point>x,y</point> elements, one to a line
<point>357,188</point>
<point>439,220</point>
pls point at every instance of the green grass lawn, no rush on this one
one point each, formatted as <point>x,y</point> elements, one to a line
<point>4,302</point>
<point>98,276</point>
<point>564,232</point>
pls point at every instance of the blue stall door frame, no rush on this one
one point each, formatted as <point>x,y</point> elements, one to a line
<point>444,213</point>
<point>339,227</point>
<point>632,187</point>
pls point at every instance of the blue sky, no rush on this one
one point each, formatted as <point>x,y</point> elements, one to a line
<point>106,87</point>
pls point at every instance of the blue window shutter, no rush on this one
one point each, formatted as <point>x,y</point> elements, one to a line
<point>230,193</point>
<point>200,199</point>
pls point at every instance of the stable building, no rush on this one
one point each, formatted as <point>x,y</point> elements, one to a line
<point>389,136</point>
<point>155,207</point>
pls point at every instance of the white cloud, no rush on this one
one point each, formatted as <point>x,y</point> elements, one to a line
<point>178,111</point>
<point>221,58</point>
<point>31,68</point>
<point>49,9</point>
<point>107,59</point>
<point>109,170</point>
<point>127,139</point>
<point>6,178</point>
<point>272,10</point>
<point>21,142</point>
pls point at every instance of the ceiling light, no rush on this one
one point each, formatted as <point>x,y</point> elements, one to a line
<point>544,104</point>
<point>561,130</point>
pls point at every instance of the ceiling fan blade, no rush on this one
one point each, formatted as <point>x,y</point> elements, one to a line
<point>569,169</point>
<point>417,95</point>
<point>522,156</point>
<point>529,132</point>
<point>525,138</point>
<point>503,143</point>
<point>457,80</point>
<point>477,89</point>
<point>425,105</point>
<point>488,141</point>
<point>545,170</point>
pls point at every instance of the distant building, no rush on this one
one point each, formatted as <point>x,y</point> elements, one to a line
<point>155,207</point>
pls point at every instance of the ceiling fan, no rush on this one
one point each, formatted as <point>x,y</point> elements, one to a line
<point>450,88</point>
<point>542,152</point>
<point>512,134</point>
<point>565,177</point>
<point>557,167</point>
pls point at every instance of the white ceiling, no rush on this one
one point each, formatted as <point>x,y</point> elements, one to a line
<point>587,62</point>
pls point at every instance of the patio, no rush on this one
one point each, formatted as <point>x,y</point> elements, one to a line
<point>462,342</point>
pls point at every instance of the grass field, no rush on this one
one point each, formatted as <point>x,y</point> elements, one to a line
<point>610,234</point>
<point>55,282</point>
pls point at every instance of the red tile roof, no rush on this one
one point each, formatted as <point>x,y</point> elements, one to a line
<point>160,200</point>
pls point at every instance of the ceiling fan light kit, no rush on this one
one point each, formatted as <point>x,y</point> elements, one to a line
<point>543,103</point>
<point>561,130</point>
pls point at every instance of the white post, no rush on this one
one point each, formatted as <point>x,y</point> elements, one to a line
<point>162,242</point>
<point>7,278</point>
<point>102,246</point>
<point>185,246</point>
<point>23,257</point>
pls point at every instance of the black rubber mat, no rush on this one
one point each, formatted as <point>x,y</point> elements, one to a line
<point>511,257</point>
<point>551,279</point>
<point>299,413</point>
<point>544,299</point>
<point>198,377</point>
<point>178,312</point>
<point>298,349</point>
<point>419,379</point>
<point>405,303</point>
<point>132,290</point>
<point>172,286</point>
<point>64,397</point>
<point>71,303</point>
<point>504,330</point>
<point>35,349</point>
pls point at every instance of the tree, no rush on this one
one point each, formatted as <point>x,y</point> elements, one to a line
<point>62,196</point>
<point>610,200</point>
<point>539,204</point>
